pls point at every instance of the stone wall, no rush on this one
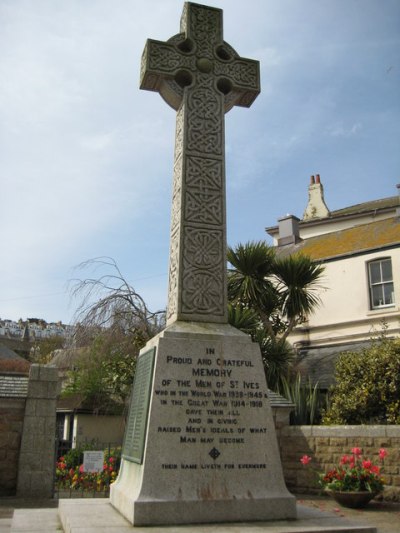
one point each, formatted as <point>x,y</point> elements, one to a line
<point>11,421</point>
<point>37,452</point>
<point>326,445</point>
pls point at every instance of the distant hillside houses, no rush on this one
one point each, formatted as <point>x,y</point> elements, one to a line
<point>33,328</point>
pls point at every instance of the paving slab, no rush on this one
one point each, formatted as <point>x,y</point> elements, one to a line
<point>317,514</point>
<point>98,516</point>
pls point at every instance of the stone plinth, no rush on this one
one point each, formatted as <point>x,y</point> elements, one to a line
<point>210,452</point>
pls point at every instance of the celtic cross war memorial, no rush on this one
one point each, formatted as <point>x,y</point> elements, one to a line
<point>200,442</point>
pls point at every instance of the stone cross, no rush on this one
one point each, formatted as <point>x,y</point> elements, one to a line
<point>201,77</point>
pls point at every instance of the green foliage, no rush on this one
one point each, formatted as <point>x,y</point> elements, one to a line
<point>307,399</point>
<point>367,389</point>
<point>297,284</point>
<point>268,297</point>
<point>277,355</point>
<point>104,371</point>
<point>43,349</point>
<point>70,473</point>
<point>243,318</point>
<point>74,457</point>
<point>249,281</point>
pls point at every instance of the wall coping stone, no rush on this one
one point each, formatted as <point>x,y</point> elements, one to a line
<point>361,430</point>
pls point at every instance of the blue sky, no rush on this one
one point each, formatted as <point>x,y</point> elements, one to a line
<point>86,157</point>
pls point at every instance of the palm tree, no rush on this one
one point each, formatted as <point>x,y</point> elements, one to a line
<point>250,279</point>
<point>297,282</point>
<point>280,292</point>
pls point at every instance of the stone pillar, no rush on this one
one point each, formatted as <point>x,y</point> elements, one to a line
<point>37,453</point>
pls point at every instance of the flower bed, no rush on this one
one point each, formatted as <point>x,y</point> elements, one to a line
<point>70,475</point>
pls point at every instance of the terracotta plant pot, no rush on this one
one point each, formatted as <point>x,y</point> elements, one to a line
<point>354,500</point>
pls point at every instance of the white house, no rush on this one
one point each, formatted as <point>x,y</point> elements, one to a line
<point>360,249</point>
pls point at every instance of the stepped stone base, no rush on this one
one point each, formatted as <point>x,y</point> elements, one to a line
<point>210,452</point>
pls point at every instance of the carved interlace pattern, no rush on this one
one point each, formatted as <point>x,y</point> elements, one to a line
<point>203,294</point>
<point>206,116</point>
<point>173,273</point>
<point>241,73</point>
<point>204,194</point>
<point>166,58</point>
<point>205,29</point>
<point>188,76</point>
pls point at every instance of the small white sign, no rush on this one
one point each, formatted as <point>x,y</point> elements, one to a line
<point>93,461</point>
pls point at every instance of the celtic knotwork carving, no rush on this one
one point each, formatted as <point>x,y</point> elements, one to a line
<point>241,73</point>
<point>201,77</point>
<point>173,274</point>
<point>204,194</point>
<point>202,248</point>
<point>205,28</point>
<point>165,58</point>
<point>179,133</point>
<point>176,195</point>
<point>205,126</point>
<point>203,207</point>
<point>202,293</point>
<point>204,172</point>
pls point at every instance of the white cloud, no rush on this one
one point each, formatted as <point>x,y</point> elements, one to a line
<point>340,130</point>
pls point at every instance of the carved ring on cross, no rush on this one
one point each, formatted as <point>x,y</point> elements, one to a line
<point>178,60</point>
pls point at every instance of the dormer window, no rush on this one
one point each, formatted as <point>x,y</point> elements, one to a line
<point>381,283</point>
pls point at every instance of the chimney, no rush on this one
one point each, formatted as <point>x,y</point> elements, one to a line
<point>316,207</point>
<point>288,230</point>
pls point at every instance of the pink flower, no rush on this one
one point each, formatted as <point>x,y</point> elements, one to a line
<point>382,453</point>
<point>366,464</point>
<point>111,460</point>
<point>305,459</point>
<point>81,469</point>
<point>356,451</point>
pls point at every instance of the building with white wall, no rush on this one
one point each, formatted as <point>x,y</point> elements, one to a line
<point>360,249</point>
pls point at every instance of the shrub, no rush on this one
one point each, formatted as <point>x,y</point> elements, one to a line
<point>367,389</point>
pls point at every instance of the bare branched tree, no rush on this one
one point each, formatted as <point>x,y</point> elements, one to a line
<point>108,301</point>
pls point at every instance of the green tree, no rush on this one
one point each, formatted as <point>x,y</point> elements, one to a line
<point>112,324</point>
<point>280,292</point>
<point>43,349</point>
<point>103,371</point>
<point>367,386</point>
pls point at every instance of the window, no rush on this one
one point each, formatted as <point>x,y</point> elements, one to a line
<point>381,283</point>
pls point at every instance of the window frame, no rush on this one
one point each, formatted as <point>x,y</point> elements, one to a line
<point>382,283</point>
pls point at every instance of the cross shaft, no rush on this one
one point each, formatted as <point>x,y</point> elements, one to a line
<point>201,77</point>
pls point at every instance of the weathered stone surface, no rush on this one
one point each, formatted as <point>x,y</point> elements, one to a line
<point>202,77</point>
<point>211,451</point>
<point>37,449</point>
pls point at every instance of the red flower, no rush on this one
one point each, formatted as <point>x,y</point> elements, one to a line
<point>305,459</point>
<point>366,464</point>
<point>375,469</point>
<point>356,451</point>
<point>344,460</point>
<point>81,469</point>
<point>382,453</point>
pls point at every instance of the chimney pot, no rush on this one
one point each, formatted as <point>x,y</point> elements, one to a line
<point>312,180</point>
<point>317,179</point>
